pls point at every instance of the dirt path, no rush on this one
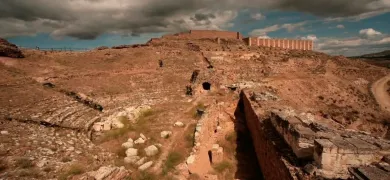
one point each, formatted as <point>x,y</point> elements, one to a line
<point>379,91</point>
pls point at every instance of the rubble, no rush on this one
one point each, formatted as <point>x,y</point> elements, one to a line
<point>151,150</point>
<point>166,134</point>
<point>131,152</point>
<point>145,166</point>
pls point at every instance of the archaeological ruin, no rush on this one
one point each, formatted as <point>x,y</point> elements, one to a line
<point>197,105</point>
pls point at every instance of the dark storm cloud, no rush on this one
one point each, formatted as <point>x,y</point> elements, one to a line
<point>87,19</point>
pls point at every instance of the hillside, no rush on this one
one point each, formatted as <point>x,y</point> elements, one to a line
<point>158,110</point>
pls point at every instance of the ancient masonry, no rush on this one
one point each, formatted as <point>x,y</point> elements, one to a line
<point>280,43</point>
<point>294,145</point>
<point>250,41</point>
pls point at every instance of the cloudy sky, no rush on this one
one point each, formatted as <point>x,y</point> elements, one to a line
<point>346,27</point>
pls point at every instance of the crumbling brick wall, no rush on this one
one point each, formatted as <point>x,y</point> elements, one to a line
<point>280,43</point>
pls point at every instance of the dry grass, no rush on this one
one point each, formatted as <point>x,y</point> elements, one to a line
<point>73,170</point>
<point>174,158</point>
<point>3,165</point>
<point>190,135</point>
<point>66,159</point>
<point>31,173</point>
<point>222,166</point>
<point>24,163</point>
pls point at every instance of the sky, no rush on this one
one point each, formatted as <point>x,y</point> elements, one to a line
<point>337,27</point>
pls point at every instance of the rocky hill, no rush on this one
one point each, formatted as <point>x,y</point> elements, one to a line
<point>166,109</point>
<point>9,50</point>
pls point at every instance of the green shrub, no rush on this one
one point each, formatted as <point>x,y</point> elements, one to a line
<point>146,176</point>
<point>222,166</point>
<point>174,158</point>
<point>74,169</point>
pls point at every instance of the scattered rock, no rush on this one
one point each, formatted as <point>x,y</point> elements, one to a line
<point>131,159</point>
<point>42,163</point>
<point>117,124</point>
<point>141,161</point>
<point>4,132</point>
<point>145,166</point>
<point>151,150</point>
<point>191,159</point>
<point>131,152</point>
<point>128,144</point>
<point>166,134</point>
<point>139,141</point>
<point>108,173</point>
<point>178,124</point>
<point>310,169</point>
<point>143,136</point>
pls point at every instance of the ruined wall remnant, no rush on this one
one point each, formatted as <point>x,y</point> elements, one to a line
<point>280,43</point>
<point>288,143</point>
<point>273,165</point>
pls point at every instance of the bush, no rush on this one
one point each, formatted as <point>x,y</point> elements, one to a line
<point>24,163</point>
<point>74,169</point>
<point>222,166</point>
<point>121,152</point>
<point>29,173</point>
<point>190,135</point>
<point>174,158</point>
<point>231,137</point>
<point>146,176</point>
<point>66,159</point>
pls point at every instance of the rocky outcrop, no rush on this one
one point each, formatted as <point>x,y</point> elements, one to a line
<point>9,50</point>
<point>109,172</point>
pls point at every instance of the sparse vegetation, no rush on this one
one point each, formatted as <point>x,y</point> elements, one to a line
<point>174,158</point>
<point>48,169</point>
<point>24,163</point>
<point>144,175</point>
<point>190,136</point>
<point>32,173</point>
<point>73,170</point>
<point>222,166</point>
<point>194,176</point>
<point>121,152</point>
<point>3,165</point>
<point>66,159</point>
<point>231,137</point>
<point>197,109</point>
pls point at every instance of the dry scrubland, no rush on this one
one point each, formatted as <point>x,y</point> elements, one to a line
<point>68,115</point>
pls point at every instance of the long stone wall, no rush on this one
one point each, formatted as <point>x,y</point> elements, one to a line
<point>280,43</point>
<point>273,165</point>
<point>206,34</point>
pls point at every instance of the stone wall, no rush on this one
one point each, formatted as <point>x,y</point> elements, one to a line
<point>272,163</point>
<point>206,34</point>
<point>280,43</point>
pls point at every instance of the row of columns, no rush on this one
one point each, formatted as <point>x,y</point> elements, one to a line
<point>282,43</point>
